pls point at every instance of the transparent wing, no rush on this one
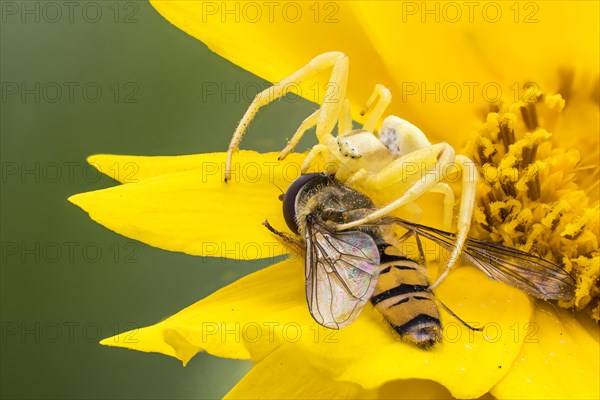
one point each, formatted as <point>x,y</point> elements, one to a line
<point>341,273</point>
<point>527,272</point>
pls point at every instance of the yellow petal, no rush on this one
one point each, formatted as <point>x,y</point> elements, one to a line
<point>133,169</point>
<point>452,58</point>
<point>559,359</point>
<point>289,374</point>
<point>444,59</point>
<point>192,210</point>
<point>412,389</point>
<point>265,310</point>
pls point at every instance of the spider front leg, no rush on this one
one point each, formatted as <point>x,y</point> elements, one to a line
<point>470,176</point>
<point>327,115</point>
<point>356,177</point>
<point>447,214</point>
<point>314,152</point>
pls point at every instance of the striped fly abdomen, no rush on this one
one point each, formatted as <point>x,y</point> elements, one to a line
<point>403,297</point>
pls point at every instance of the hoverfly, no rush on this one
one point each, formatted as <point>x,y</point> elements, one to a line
<point>345,269</point>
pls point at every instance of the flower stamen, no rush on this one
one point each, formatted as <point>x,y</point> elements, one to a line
<point>532,195</point>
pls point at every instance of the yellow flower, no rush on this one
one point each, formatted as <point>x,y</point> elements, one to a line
<point>442,61</point>
<point>539,198</point>
<point>527,349</point>
<point>176,204</point>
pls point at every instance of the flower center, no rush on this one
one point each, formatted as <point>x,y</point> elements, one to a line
<point>534,194</point>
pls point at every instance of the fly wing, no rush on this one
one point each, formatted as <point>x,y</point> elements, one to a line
<point>527,272</point>
<point>341,273</point>
<point>530,273</point>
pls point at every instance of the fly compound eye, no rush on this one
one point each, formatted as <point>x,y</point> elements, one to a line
<point>290,196</point>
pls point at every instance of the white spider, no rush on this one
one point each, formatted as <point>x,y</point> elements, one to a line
<point>362,159</point>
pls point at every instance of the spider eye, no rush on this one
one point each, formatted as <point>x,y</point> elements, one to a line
<point>304,182</point>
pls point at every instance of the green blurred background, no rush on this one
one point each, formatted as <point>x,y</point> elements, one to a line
<point>80,78</point>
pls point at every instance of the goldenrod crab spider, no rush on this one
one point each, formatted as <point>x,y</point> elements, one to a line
<point>361,157</point>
